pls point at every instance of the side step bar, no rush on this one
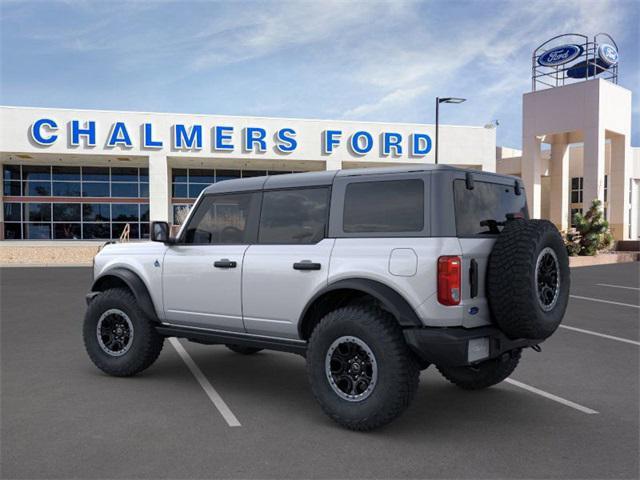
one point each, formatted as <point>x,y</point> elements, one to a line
<point>214,337</point>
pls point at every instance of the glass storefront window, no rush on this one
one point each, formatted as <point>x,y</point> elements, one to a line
<point>96,212</point>
<point>95,189</point>
<point>36,172</point>
<point>66,212</point>
<point>124,212</point>
<point>12,231</point>
<point>37,189</point>
<point>129,190</point>
<point>37,231</point>
<point>37,212</point>
<point>69,231</point>
<point>66,189</point>
<point>12,188</point>
<point>95,174</point>
<point>66,173</point>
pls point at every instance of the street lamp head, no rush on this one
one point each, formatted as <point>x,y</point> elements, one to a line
<point>451,100</point>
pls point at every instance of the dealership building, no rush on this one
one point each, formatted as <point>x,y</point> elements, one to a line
<point>90,175</point>
<point>86,174</point>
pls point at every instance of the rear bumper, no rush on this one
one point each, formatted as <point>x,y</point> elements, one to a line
<point>457,346</point>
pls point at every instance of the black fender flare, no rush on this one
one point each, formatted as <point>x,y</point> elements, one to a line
<point>391,300</point>
<point>135,284</point>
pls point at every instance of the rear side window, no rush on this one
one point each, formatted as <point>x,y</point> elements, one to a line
<point>295,216</point>
<point>481,211</point>
<point>392,206</point>
<point>223,219</point>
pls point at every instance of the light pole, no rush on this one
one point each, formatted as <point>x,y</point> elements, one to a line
<point>438,102</point>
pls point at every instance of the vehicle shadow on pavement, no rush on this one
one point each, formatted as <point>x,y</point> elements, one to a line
<point>267,384</point>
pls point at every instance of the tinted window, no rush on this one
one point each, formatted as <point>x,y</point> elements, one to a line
<point>66,212</point>
<point>96,212</point>
<point>294,216</point>
<point>66,189</point>
<point>387,206</point>
<point>66,173</point>
<point>487,203</point>
<point>223,219</point>
<point>33,172</point>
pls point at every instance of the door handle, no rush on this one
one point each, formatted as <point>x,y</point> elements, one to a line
<point>225,263</point>
<point>306,265</point>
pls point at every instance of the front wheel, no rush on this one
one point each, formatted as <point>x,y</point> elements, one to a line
<point>361,371</point>
<point>483,375</point>
<point>119,338</point>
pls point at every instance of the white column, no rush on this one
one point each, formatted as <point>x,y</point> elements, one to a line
<point>593,166</point>
<point>159,188</point>
<point>618,188</point>
<point>531,171</point>
<point>559,201</point>
<point>333,164</point>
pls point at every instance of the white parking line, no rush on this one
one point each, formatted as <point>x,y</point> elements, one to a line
<point>551,396</point>
<point>605,301</point>
<point>610,337</point>
<point>211,392</point>
<point>616,286</point>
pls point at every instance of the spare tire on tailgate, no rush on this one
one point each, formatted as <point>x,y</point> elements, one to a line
<point>528,279</point>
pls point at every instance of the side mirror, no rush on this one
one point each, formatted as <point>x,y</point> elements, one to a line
<point>160,232</point>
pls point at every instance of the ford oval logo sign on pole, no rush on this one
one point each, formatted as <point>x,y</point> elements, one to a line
<point>560,55</point>
<point>608,54</point>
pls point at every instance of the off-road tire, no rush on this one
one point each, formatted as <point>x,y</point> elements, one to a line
<point>398,372</point>
<point>511,279</point>
<point>483,375</point>
<point>146,343</point>
<point>241,349</point>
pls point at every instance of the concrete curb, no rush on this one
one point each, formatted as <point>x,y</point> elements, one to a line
<point>604,259</point>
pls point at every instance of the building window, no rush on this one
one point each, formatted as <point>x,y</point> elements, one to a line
<point>576,189</point>
<point>573,212</point>
<point>63,212</point>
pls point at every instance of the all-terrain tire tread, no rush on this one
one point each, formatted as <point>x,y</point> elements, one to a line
<point>406,373</point>
<point>146,352</point>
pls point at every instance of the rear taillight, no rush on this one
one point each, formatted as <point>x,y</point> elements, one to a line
<point>449,280</point>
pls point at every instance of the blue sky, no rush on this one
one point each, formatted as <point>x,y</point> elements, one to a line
<point>369,60</point>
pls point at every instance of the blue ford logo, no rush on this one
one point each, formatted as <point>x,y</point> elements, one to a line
<point>608,54</point>
<point>560,55</point>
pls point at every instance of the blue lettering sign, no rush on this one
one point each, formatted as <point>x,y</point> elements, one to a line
<point>119,136</point>
<point>358,147</point>
<point>36,131</point>
<point>331,139</point>
<point>255,136</point>
<point>391,140</point>
<point>147,138</point>
<point>186,139</point>
<point>89,131</point>
<point>286,140</point>
<point>222,137</point>
<point>420,144</point>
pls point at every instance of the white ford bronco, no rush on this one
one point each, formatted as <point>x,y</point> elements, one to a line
<point>371,274</point>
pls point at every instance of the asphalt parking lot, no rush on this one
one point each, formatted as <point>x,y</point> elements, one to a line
<point>572,410</point>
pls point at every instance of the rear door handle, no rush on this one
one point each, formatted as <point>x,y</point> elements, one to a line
<point>306,265</point>
<point>225,263</point>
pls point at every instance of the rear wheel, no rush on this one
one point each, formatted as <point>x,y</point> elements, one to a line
<point>360,368</point>
<point>119,338</point>
<point>242,349</point>
<point>483,375</point>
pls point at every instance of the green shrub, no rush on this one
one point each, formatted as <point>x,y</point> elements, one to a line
<point>591,234</point>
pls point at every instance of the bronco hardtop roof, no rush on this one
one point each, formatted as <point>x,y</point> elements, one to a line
<point>314,179</point>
